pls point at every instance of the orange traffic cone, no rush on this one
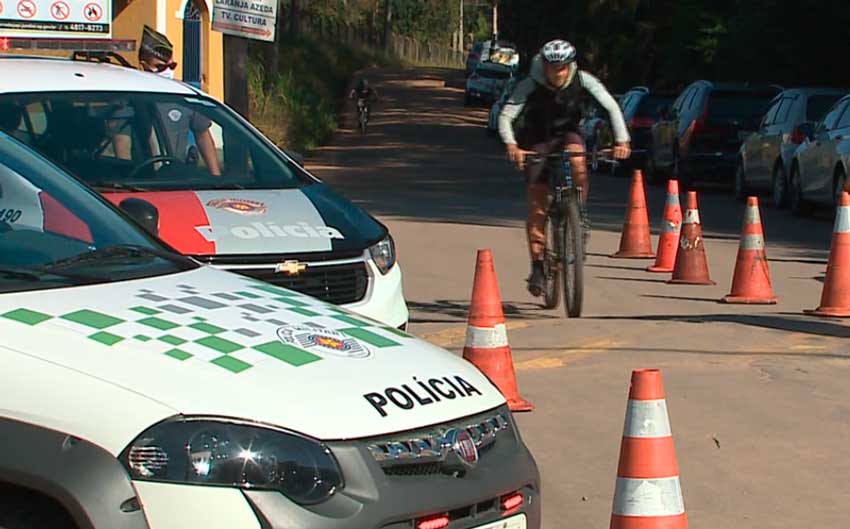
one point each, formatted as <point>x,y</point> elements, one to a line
<point>635,242</point>
<point>648,494</point>
<point>487,337</point>
<point>671,227</point>
<point>751,282</point>
<point>691,264</point>
<point>835,298</point>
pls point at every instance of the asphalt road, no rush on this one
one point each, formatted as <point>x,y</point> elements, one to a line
<point>758,395</point>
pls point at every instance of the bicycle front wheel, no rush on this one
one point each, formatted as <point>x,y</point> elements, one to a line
<point>551,261</point>
<point>572,258</point>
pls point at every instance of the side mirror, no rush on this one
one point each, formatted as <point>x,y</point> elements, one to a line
<point>142,212</point>
<point>297,157</point>
<point>807,128</point>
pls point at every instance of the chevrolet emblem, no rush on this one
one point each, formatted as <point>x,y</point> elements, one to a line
<point>290,268</point>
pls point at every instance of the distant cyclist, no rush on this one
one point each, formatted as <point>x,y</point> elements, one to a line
<point>551,102</point>
<point>363,92</point>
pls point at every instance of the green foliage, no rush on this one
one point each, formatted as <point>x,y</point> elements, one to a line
<point>297,106</point>
<point>426,20</point>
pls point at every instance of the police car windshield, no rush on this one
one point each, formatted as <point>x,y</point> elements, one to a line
<point>142,141</point>
<point>55,232</point>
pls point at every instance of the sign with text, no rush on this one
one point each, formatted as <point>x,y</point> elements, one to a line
<point>56,19</point>
<point>252,19</point>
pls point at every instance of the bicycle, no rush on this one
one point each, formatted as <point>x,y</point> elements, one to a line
<point>565,238</point>
<point>362,114</point>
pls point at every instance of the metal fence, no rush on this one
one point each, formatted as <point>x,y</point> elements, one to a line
<point>407,49</point>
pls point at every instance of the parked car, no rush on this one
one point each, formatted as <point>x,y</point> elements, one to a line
<point>596,130</point>
<point>699,135</point>
<point>131,134</point>
<point>142,390</point>
<point>641,110</point>
<point>764,161</point>
<point>487,81</point>
<point>500,52</point>
<point>496,108</point>
<point>819,167</point>
<point>474,57</point>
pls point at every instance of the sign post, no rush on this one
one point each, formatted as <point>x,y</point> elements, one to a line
<point>240,20</point>
<point>56,19</point>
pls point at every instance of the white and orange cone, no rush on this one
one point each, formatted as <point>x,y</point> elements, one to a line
<point>648,494</point>
<point>487,344</point>
<point>835,296</point>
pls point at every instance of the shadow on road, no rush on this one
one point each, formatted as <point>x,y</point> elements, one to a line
<point>448,311</point>
<point>677,350</point>
<point>783,321</point>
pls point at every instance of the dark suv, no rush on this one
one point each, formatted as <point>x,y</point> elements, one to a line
<point>699,135</point>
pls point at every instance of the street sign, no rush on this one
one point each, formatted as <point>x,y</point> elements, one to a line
<point>252,19</point>
<point>56,19</point>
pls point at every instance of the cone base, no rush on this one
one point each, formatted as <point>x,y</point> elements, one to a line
<point>830,312</point>
<point>631,255</point>
<point>749,300</point>
<point>519,404</point>
<point>691,282</point>
<point>660,269</point>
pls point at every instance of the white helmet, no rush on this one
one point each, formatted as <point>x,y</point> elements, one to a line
<point>558,52</point>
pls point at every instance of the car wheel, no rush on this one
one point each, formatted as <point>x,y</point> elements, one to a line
<point>741,191</point>
<point>653,176</point>
<point>839,185</point>
<point>681,173</point>
<point>26,511</point>
<point>467,100</point>
<point>795,196</point>
<point>780,186</point>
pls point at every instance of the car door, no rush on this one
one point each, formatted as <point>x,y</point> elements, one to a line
<point>755,145</point>
<point>664,132</point>
<point>692,108</point>
<point>815,164</point>
<point>772,137</point>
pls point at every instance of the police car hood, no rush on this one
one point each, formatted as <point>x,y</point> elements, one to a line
<point>308,219</point>
<point>210,343</point>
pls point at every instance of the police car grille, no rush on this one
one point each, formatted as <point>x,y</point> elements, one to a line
<point>412,470</point>
<point>337,284</point>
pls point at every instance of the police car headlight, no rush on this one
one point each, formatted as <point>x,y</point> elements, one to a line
<point>218,453</point>
<point>383,254</point>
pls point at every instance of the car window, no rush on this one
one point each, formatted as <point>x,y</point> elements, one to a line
<point>677,106</point>
<point>649,105</point>
<point>694,99</point>
<point>742,106</point>
<point>493,74</point>
<point>784,110</point>
<point>770,115</point>
<point>817,106</point>
<point>831,117</point>
<point>151,142</point>
<point>844,120</point>
<point>56,232</point>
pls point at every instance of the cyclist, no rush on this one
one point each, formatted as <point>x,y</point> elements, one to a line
<point>363,94</point>
<point>551,103</point>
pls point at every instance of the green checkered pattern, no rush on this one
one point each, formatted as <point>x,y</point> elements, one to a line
<point>185,324</point>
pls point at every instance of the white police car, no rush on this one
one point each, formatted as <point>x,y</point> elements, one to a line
<point>140,389</point>
<point>211,184</point>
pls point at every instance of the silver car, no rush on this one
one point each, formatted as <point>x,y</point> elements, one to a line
<point>486,82</point>
<point>764,160</point>
<point>819,167</point>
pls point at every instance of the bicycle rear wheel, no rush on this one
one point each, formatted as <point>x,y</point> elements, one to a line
<point>362,121</point>
<point>551,260</point>
<point>572,258</point>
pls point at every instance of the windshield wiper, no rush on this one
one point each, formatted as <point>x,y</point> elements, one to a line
<point>114,252</point>
<point>37,274</point>
<point>225,186</point>
<point>116,186</point>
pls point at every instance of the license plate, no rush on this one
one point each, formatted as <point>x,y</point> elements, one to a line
<point>743,135</point>
<point>514,522</point>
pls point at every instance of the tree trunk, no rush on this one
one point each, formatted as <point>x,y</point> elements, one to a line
<point>294,15</point>
<point>388,15</point>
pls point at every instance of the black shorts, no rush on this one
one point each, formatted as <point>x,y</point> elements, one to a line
<point>539,174</point>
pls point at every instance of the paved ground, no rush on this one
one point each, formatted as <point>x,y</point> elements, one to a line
<point>758,396</point>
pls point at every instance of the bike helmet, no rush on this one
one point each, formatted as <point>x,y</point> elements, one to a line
<point>363,85</point>
<point>558,52</point>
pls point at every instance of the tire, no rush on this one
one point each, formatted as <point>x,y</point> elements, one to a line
<point>572,259</point>
<point>741,192</point>
<point>467,101</point>
<point>30,511</point>
<point>779,189</point>
<point>653,175</point>
<point>796,201</point>
<point>682,173</point>
<point>839,182</point>
<point>551,266</point>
